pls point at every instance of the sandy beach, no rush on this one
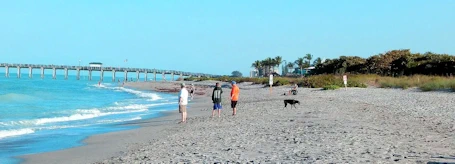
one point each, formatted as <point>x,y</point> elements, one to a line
<point>360,125</point>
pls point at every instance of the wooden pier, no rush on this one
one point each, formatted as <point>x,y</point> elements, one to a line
<point>114,70</point>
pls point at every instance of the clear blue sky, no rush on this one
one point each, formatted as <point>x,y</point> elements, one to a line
<point>214,36</point>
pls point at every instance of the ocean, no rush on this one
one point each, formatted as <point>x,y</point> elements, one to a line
<point>40,115</point>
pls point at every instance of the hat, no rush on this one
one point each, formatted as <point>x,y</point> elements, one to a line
<point>233,82</point>
<point>182,84</point>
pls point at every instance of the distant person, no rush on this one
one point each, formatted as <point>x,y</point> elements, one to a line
<point>234,97</point>
<point>294,89</point>
<point>216,99</point>
<point>192,91</point>
<point>99,83</point>
<point>183,102</point>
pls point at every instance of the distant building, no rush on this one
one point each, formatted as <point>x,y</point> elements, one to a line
<point>304,71</point>
<point>254,73</point>
<point>95,65</point>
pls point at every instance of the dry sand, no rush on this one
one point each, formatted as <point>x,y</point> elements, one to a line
<point>354,126</point>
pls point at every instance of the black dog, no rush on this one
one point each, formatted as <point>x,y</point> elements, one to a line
<point>292,102</point>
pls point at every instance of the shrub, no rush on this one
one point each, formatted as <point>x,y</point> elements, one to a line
<point>330,87</point>
<point>438,85</point>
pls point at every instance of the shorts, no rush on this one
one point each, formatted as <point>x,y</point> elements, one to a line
<point>182,108</point>
<point>233,104</point>
<point>217,106</point>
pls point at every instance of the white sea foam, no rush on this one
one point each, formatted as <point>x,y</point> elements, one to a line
<point>152,96</point>
<point>94,113</point>
<point>73,117</point>
<point>137,106</point>
<point>83,114</point>
<point>10,133</point>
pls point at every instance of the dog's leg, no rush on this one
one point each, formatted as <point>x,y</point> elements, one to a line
<point>285,104</point>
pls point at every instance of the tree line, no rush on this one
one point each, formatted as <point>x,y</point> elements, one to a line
<point>392,63</point>
<point>269,64</point>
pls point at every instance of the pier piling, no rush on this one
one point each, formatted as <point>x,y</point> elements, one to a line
<point>145,76</point>
<point>42,72</point>
<point>78,74</point>
<point>54,73</point>
<point>30,72</point>
<point>6,71</point>
<point>154,75</point>
<point>113,75</point>
<point>18,72</point>
<point>66,73</point>
<point>90,74</point>
<point>137,75</point>
<point>102,75</point>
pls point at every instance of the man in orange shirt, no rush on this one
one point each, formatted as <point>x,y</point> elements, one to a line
<point>234,97</point>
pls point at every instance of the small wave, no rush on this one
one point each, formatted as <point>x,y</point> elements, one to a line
<point>63,119</point>
<point>152,96</point>
<point>75,117</point>
<point>83,114</point>
<point>10,133</point>
<point>114,121</point>
<point>137,106</point>
<point>61,127</point>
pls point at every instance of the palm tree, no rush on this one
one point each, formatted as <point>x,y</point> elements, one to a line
<point>308,57</point>
<point>300,62</point>
<point>317,61</point>
<point>278,61</point>
<point>269,62</point>
<point>257,65</point>
<point>290,66</point>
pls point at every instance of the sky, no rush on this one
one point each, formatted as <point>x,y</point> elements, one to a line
<point>217,37</point>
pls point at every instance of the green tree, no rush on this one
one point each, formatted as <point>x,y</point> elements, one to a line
<point>257,65</point>
<point>269,63</point>
<point>278,60</point>
<point>317,61</point>
<point>236,74</point>
<point>308,57</point>
<point>290,66</point>
<point>300,62</point>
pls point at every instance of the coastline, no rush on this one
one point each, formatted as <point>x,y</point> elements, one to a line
<point>360,125</point>
<point>102,146</point>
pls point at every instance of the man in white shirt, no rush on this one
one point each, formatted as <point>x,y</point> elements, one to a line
<point>183,102</point>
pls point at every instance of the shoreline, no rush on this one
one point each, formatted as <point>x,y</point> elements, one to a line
<point>105,145</point>
<point>358,125</point>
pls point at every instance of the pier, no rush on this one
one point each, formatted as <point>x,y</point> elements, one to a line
<point>91,69</point>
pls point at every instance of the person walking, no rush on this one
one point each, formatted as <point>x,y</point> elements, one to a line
<point>216,99</point>
<point>183,102</point>
<point>234,97</point>
<point>192,91</point>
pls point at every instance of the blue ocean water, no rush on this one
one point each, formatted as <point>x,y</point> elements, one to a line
<point>40,115</point>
